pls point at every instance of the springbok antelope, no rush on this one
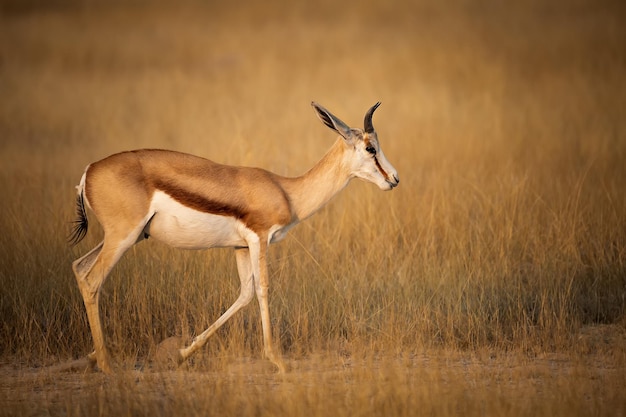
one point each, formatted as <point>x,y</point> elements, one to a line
<point>192,203</point>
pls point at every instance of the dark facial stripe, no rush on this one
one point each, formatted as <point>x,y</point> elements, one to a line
<point>382,171</point>
<point>380,168</point>
<point>198,202</point>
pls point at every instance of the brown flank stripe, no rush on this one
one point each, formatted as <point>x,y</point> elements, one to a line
<point>198,202</point>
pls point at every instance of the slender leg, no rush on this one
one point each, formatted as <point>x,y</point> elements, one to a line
<point>259,266</point>
<point>103,359</point>
<point>244,268</point>
<point>91,271</point>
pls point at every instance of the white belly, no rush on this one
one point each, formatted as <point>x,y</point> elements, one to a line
<point>182,227</point>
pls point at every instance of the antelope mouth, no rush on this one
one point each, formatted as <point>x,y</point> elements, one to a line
<point>393,184</point>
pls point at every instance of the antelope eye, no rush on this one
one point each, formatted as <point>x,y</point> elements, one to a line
<point>371,150</point>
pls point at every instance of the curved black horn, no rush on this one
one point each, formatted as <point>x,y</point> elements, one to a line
<point>369,127</point>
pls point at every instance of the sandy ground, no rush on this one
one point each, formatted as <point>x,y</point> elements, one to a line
<point>441,382</point>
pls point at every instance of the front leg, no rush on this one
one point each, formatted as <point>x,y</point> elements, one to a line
<point>258,251</point>
<point>244,267</point>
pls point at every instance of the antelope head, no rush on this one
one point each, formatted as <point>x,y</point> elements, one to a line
<point>366,158</point>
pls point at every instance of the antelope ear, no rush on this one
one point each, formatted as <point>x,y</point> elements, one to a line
<point>369,127</point>
<point>332,122</point>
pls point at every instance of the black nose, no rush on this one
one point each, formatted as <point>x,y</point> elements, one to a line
<point>395,177</point>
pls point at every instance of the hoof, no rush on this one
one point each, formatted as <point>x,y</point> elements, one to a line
<point>167,355</point>
<point>277,361</point>
<point>104,367</point>
<point>280,366</point>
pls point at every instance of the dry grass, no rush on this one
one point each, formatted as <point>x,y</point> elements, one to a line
<point>444,385</point>
<point>506,237</point>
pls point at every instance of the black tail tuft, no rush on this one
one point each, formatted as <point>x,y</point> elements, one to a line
<point>80,225</point>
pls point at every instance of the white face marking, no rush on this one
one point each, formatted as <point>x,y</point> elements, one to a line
<point>182,227</point>
<point>374,168</point>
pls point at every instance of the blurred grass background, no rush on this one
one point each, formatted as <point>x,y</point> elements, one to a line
<point>505,121</point>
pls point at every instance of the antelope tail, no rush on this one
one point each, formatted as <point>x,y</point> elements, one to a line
<point>81,224</point>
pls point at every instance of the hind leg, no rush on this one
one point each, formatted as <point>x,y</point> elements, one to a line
<point>91,271</point>
<point>81,268</point>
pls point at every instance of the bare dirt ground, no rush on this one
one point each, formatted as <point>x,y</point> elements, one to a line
<point>436,382</point>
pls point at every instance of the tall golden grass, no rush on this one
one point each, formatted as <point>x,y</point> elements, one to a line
<point>506,124</point>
